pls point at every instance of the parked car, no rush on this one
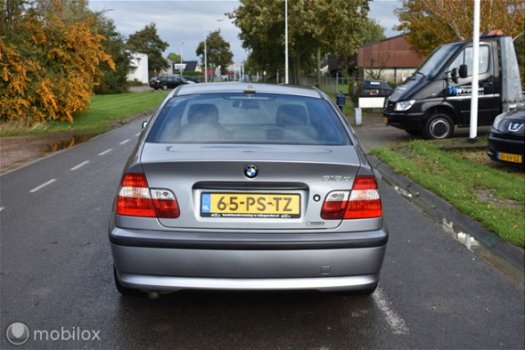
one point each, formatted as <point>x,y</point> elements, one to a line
<point>193,79</point>
<point>247,187</point>
<point>375,88</point>
<point>168,81</point>
<point>438,96</point>
<point>506,137</point>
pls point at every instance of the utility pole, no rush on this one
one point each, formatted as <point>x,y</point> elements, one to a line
<point>181,58</point>
<point>206,64</point>
<point>473,120</point>
<point>286,42</point>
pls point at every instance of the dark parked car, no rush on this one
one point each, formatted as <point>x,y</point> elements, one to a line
<point>234,186</point>
<point>375,88</point>
<point>506,137</point>
<point>168,81</point>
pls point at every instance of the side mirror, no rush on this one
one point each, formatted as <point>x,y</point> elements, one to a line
<point>454,75</point>
<point>463,71</point>
<point>144,123</point>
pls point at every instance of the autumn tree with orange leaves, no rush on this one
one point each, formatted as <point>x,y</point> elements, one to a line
<point>49,63</point>
<point>430,23</point>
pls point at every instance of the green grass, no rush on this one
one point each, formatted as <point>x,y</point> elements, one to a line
<point>492,196</point>
<point>104,112</point>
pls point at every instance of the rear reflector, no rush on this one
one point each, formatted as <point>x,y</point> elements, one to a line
<point>362,202</point>
<point>136,199</point>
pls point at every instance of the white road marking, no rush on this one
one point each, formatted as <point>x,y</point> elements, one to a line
<point>137,134</point>
<point>2,208</point>
<point>397,323</point>
<point>104,152</point>
<point>125,141</point>
<point>79,165</point>
<point>43,185</point>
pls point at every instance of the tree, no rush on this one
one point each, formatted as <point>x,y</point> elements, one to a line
<point>172,56</point>
<point>328,26</point>
<point>147,41</point>
<point>49,63</point>
<point>218,51</point>
<point>112,80</point>
<point>430,23</point>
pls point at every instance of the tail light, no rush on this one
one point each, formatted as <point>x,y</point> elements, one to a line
<point>362,202</point>
<point>135,198</point>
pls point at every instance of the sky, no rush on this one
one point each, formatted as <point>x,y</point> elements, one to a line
<point>183,24</point>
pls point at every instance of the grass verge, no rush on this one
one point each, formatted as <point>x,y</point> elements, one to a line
<point>493,196</point>
<point>104,111</point>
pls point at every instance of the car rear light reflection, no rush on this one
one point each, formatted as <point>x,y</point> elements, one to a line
<point>136,199</point>
<point>362,202</point>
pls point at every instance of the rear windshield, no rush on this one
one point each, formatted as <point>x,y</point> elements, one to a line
<point>240,118</point>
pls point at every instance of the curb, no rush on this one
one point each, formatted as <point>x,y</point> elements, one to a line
<point>502,255</point>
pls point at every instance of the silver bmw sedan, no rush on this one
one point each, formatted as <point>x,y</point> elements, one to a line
<point>236,186</point>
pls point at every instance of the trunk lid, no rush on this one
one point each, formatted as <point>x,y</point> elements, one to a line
<point>292,176</point>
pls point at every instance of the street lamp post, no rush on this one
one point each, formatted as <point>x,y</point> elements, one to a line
<point>286,42</point>
<point>473,119</point>
<point>181,58</point>
<point>206,63</point>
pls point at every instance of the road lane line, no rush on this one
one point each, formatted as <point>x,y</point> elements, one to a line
<point>137,134</point>
<point>2,208</point>
<point>105,152</point>
<point>42,186</point>
<point>125,141</point>
<point>397,323</point>
<point>79,165</point>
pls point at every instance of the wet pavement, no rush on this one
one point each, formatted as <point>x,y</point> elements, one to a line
<point>56,271</point>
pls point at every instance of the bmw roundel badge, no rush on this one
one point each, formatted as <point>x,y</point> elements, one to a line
<point>251,171</point>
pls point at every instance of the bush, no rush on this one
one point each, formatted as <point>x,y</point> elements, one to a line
<point>48,68</point>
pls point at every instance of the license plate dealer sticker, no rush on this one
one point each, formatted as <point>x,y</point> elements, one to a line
<point>508,157</point>
<point>251,205</point>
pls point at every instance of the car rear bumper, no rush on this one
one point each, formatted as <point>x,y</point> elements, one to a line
<point>313,266</point>
<point>167,283</point>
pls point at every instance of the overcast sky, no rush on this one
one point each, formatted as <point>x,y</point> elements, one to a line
<point>183,24</point>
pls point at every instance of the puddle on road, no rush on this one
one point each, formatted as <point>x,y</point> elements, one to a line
<point>68,142</point>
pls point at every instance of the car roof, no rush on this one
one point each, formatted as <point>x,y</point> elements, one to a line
<point>237,87</point>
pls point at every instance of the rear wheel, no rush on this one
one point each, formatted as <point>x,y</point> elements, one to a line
<point>438,126</point>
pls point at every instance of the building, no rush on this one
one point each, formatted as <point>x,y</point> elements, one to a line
<point>186,66</point>
<point>390,59</point>
<point>138,68</point>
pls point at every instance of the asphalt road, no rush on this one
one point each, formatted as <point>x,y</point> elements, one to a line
<point>56,277</point>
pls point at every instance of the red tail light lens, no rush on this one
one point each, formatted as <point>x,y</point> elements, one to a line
<point>361,203</point>
<point>137,199</point>
<point>334,205</point>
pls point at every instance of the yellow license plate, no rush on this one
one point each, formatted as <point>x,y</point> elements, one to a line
<point>251,205</point>
<point>385,120</point>
<point>508,157</point>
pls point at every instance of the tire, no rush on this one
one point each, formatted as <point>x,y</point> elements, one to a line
<point>125,291</point>
<point>438,126</point>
